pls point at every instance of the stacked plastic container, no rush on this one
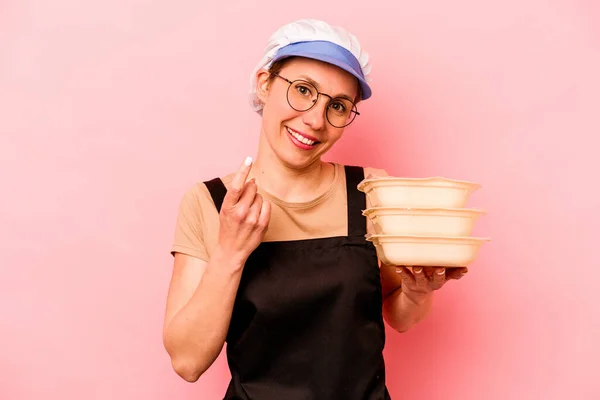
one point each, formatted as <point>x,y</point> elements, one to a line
<point>422,221</point>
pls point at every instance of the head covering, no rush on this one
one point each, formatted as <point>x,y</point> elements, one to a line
<point>318,40</point>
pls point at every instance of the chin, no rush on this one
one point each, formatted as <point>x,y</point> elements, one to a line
<point>297,161</point>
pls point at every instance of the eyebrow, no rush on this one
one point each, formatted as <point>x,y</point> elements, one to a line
<point>316,84</point>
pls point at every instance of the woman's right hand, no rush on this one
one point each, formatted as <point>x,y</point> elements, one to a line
<point>244,217</point>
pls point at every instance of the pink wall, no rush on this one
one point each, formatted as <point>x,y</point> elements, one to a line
<point>110,110</point>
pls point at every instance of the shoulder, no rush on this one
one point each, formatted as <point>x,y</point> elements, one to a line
<point>195,198</point>
<point>373,172</point>
<point>370,171</point>
<point>196,193</point>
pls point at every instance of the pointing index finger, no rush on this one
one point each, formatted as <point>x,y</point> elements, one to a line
<point>239,180</point>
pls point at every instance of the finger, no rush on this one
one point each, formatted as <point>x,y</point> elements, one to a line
<point>248,195</point>
<point>456,273</point>
<point>265,214</point>
<point>237,185</point>
<point>254,210</point>
<point>420,278</point>
<point>405,275</point>
<point>429,272</point>
<point>439,278</point>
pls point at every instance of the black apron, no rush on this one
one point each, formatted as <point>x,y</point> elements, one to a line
<point>307,321</point>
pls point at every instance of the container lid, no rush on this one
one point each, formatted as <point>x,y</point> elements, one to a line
<point>431,181</point>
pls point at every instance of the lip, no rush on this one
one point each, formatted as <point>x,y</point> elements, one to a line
<point>298,143</point>
<point>314,139</point>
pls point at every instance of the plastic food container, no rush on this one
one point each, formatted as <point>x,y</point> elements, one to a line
<point>426,251</point>
<point>423,221</point>
<point>433,192</point>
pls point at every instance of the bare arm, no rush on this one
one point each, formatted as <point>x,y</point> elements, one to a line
<point>199,306</point>
<point>202,294</point>
<point>408,296</point>
<point>400,310</point>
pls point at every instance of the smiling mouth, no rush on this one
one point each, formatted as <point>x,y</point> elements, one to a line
<point>302,139</point>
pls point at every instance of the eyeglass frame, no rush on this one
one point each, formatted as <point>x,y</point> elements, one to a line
<point>353,110</point>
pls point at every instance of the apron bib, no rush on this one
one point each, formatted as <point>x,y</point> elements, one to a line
<point>307,322</point>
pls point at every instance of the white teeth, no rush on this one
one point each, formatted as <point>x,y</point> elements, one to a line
<point>301,138</point>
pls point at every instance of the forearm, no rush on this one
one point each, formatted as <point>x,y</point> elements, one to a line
<point>196,334</point>
<point>403,310</point>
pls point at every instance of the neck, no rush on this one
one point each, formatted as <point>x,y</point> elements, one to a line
<point>288,183</point>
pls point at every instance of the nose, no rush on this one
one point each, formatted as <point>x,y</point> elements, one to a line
<point>315,117</point>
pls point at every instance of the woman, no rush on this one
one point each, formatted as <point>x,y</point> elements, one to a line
<point>273,260</point>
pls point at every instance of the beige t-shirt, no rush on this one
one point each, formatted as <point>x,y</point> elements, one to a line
<point>197,225</point>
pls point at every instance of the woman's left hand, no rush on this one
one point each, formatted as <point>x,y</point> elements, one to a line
<point>424,280</point>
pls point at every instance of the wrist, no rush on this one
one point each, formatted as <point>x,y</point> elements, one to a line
<point>227,261</point>
<point>417,298</point>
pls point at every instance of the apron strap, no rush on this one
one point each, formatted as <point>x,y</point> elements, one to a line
<point>357,201</point>
<point>217,191</point>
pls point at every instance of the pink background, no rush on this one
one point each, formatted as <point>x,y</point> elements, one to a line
<point>110,110</point>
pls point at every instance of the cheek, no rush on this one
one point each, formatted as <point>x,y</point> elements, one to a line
<point>277,110</point>
<point>335,136</point>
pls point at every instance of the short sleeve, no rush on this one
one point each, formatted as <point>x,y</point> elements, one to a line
<point>189,237</point>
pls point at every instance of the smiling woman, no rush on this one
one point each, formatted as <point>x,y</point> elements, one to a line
<point>308,106</point>
<point>272,259</point>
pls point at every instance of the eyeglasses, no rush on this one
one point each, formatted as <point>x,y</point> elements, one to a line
<point>303,95</point>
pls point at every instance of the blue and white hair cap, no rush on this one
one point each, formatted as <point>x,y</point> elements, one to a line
<point>318,40</point>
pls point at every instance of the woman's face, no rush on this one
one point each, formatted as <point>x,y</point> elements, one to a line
<point>289,132</point>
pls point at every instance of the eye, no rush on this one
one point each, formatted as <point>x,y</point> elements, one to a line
<point>338,107</point>
<point>304,90</point>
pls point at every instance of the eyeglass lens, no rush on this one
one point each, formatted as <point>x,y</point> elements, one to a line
<point>302,96</point>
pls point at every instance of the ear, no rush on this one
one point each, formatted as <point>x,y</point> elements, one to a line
<point>262,84</point>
